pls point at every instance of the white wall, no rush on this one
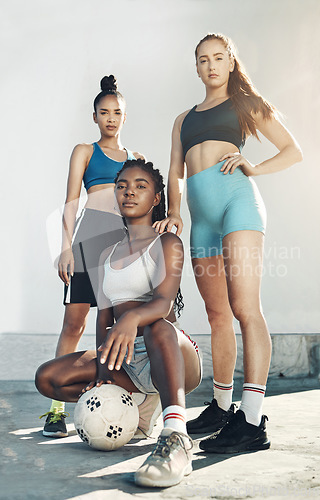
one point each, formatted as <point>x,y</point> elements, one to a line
<point>55,53</point>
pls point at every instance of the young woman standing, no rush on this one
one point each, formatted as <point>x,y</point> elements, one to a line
<point>227,233</point>
<point>98,226</point>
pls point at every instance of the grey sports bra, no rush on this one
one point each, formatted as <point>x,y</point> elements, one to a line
<point>219,123</point>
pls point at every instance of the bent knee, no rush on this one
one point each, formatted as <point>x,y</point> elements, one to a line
<point>43,379</point>
<point>159,332</point>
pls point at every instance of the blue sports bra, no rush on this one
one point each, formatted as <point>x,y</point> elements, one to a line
<point>101,168</point>
<point>219,123</point>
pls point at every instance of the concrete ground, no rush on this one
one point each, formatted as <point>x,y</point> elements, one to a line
<point>35,467</point>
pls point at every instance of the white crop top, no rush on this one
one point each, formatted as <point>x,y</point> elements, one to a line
<point>135,281</point>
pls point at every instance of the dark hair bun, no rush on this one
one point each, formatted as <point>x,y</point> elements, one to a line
<point>109,83</point>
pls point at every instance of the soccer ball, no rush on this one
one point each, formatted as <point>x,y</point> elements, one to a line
<point>106,417</point>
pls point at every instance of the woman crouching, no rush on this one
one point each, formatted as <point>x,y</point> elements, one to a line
<point>139,349</point>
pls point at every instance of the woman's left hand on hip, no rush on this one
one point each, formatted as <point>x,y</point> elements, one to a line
<point>234,160</point>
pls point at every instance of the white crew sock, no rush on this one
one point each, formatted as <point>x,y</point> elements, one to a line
<point>251,402</point>
<point>222,393</point>
<point>174,416</point>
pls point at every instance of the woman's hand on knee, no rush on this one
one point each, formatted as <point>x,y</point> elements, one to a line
<point>118,342</point>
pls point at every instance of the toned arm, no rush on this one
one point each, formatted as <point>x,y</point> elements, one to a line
<point>78,163</point>
<point>279,135</point>
<point>176,181</point>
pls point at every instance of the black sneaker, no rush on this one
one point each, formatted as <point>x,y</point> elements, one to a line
<point>212,419</point>
<point>238,436</point>
<point>55,425</point>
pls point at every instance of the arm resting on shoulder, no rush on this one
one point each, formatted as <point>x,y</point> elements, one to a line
<point>176,180</point>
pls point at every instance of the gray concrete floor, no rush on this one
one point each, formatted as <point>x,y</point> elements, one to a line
<point>35,467</point>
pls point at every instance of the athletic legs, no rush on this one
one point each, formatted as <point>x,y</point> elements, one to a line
<point>74,323</point>
<point>64,378</point>
<point>246,429</point>
<point>170,351</point>
<point>243,254</point>
<point>211,281</point>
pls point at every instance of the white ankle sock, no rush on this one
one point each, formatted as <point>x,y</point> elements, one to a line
<point>174,416</point>
<point>251,402</point>
<point>222,393</point>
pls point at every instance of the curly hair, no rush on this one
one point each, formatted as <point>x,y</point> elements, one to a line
<point>159,211</point>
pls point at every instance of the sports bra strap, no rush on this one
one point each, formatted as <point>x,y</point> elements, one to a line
<point>108,259</point>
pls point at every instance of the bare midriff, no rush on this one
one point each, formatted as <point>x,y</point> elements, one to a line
<point>101,197</point>
<point>205,155</point>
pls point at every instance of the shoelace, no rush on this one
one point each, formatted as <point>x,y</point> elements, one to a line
<point>55,416</point>
<point>165,442</point>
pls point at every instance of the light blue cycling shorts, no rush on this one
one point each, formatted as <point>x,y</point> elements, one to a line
<point>220,204</point>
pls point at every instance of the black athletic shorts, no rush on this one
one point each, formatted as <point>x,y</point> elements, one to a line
<point>94,232</point>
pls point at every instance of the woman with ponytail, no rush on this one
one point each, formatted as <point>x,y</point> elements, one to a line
<point>141,351</point>
<point>98,226</point>
<point>227,233</point>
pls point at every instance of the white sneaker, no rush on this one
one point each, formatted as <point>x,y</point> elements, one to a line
<point>169,462</point>
<point>149,411</point>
